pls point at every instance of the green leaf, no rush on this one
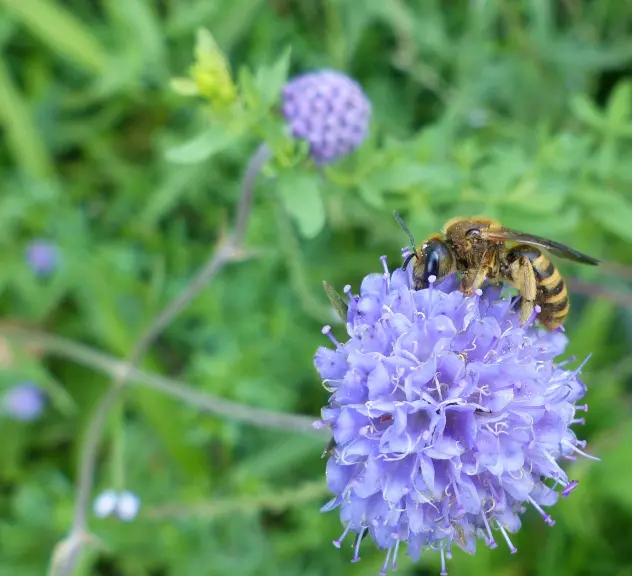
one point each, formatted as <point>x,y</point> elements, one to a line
<point>371,194</point>
<point>586,111</point>
<point>613,212</point>
<point>270,80</point>
<point>403,174</point>
<point>303,201</point>
<point>176,184</point>
<point>340,306</point>
<point>61,31</point>
<point>540,203</point>
<point>22,137</point>
<point>202,146</point>
<point>619,105</point>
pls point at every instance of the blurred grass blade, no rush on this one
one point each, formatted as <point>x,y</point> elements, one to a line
<point>202,146</point>
<point>61,31</point>
<point>25,144</point>
<point>139,25</point>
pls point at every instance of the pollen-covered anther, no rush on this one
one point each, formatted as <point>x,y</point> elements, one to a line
<point>542,513</point>
<point>566,492</point>
<point>338,543</point>
<point>512,548</point>
<point>327,332</point>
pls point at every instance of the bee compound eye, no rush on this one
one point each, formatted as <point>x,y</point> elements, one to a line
<point>432,264</point>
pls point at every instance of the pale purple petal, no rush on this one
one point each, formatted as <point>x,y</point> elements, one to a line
<point>449,416</point>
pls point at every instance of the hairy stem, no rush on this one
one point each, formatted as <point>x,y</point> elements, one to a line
<point>274,501</point>
<point>113,367</point>
<point>63,564</point>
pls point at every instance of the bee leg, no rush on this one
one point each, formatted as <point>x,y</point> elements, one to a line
<point>471,282</point>
<point>523,278</point>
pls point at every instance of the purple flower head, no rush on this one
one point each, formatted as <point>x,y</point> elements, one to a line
<point>329,110</point>
<point>42,257</point>
<point>23,402</point>
<point>449,418</point>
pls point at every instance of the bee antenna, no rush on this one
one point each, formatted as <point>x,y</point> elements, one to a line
<point>413,253</point>
<point>405,229</point>
<point>408,259</point>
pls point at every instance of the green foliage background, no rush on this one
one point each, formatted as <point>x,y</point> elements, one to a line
<point>516,109</point>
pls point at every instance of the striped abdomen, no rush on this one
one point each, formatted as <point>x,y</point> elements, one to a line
<point>551,296</point>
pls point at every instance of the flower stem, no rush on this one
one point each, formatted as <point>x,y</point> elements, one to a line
<point>86,356</point>
<point>67,552</point>
<point>275,501</point>
<point>118,447</point>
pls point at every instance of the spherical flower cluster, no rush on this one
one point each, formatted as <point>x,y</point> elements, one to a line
<point>449,418</point>
<point>23,402</point>
<point>42,257</point>
<point>329,110</point>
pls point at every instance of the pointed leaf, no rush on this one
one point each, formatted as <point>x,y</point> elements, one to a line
<point>586,112</point>
<point>620,104</point>
<point>371,194</point>
<point>340,306</point>
<point>271,79</point>
<point>202,146</point>
<point>303,201</point>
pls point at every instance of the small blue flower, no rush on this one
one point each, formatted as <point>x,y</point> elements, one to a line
<point>449,417</point>
<point>128,506</point>
<point>125,505</point>
<point>329,110</point>
<point>23,402</point>
<point>105,503</point>
<point>42,257</point>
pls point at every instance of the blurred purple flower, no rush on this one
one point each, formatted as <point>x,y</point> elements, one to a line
<point>23,402</point>
<point>42,257</point>
<point>449,417</point>
<point>329,110</point>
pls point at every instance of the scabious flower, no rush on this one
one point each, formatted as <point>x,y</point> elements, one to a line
<point>329,110</point>
<point>449,417</point>
<point>42,257</point>
<point>23,402</point>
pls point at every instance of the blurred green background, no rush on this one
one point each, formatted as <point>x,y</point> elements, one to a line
<point>515,109</point>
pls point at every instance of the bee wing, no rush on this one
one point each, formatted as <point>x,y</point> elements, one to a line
<point>557,248</point>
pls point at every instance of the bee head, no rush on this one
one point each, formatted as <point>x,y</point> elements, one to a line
<point>434,258</point>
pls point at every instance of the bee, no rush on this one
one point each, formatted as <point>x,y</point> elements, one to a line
<point>477,248</point>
